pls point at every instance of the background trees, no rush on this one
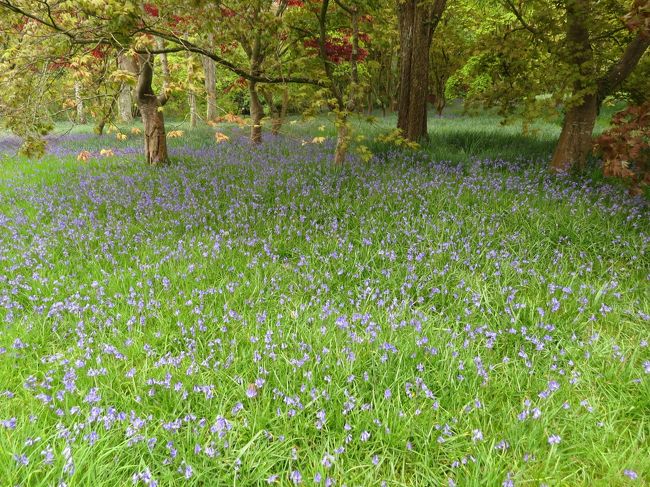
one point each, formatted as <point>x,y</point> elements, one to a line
<point>540,57</point>
<point>262,58</point>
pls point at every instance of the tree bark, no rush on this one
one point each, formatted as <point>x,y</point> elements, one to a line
<point>81,114</point>
<point>575,143</point>
<point>191,98</point>
<point>106,116</point>
<point>191,90</point>
<point>619,72</point>
<point>124,103</point>
<point>257,113</point>
<point>574,146</point>
<point>284,106</point>
<point>164,64</point>
<point>440,73</point>
<point>125,100</point>
<point>417,23</point>
<point>278,114</point>
<point>210,74</point>
<point>155,140</point>
<point>150,105</point>
<point>369,105</point>
<point>255,58</point>
<point>342,139</point>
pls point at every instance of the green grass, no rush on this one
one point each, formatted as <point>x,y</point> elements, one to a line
<point>333,285</point>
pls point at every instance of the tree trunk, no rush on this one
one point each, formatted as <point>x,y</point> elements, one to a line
<point>370,106</point>
<point>155,139</point>
<point>81,114</point>
<point>439,101</point>
<point>191,89</point>
<point>273,110</point>
<point>164,64</point>
<point>278,114</point>
<point>342,139</point>
<point>106,116</point>
<point>192,102</point>
<point>255,57</point>
<point>575,142</point>
<point>574,145</point>
<point>257,113</point>
<point>150,105</point>
<point>284,106</point>
<point>125,101</point>
<point>210,72</point>
<point>392,82</point>
<point>99,128</point>
<point>417,22</point>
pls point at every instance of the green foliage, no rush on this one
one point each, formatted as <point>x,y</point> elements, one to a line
<point>511,56</point>
<point>636,88</point>
<point>395,138</point>
<point>523,64</point>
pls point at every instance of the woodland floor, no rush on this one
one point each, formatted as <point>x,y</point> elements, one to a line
<point>252,314</point>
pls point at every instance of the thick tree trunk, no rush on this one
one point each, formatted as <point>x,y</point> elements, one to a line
<point>81,114</point>
<point>574,145</point>
<point>155,139</point>
<point>575,142</point>
<point>125,100</point>
<point>210,72</point>
<point>124,104</point>
<point>417,22</point>
<point>150,105</point>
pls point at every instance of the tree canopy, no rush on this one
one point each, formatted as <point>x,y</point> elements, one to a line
<point>264,58</point>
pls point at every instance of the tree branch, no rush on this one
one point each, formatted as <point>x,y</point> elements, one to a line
<point>511,6</point>
<point>618,73</point>
<point>185,45</point>
<point>51,24</point>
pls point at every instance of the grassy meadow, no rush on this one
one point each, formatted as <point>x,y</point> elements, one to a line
<point>252,315</point>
